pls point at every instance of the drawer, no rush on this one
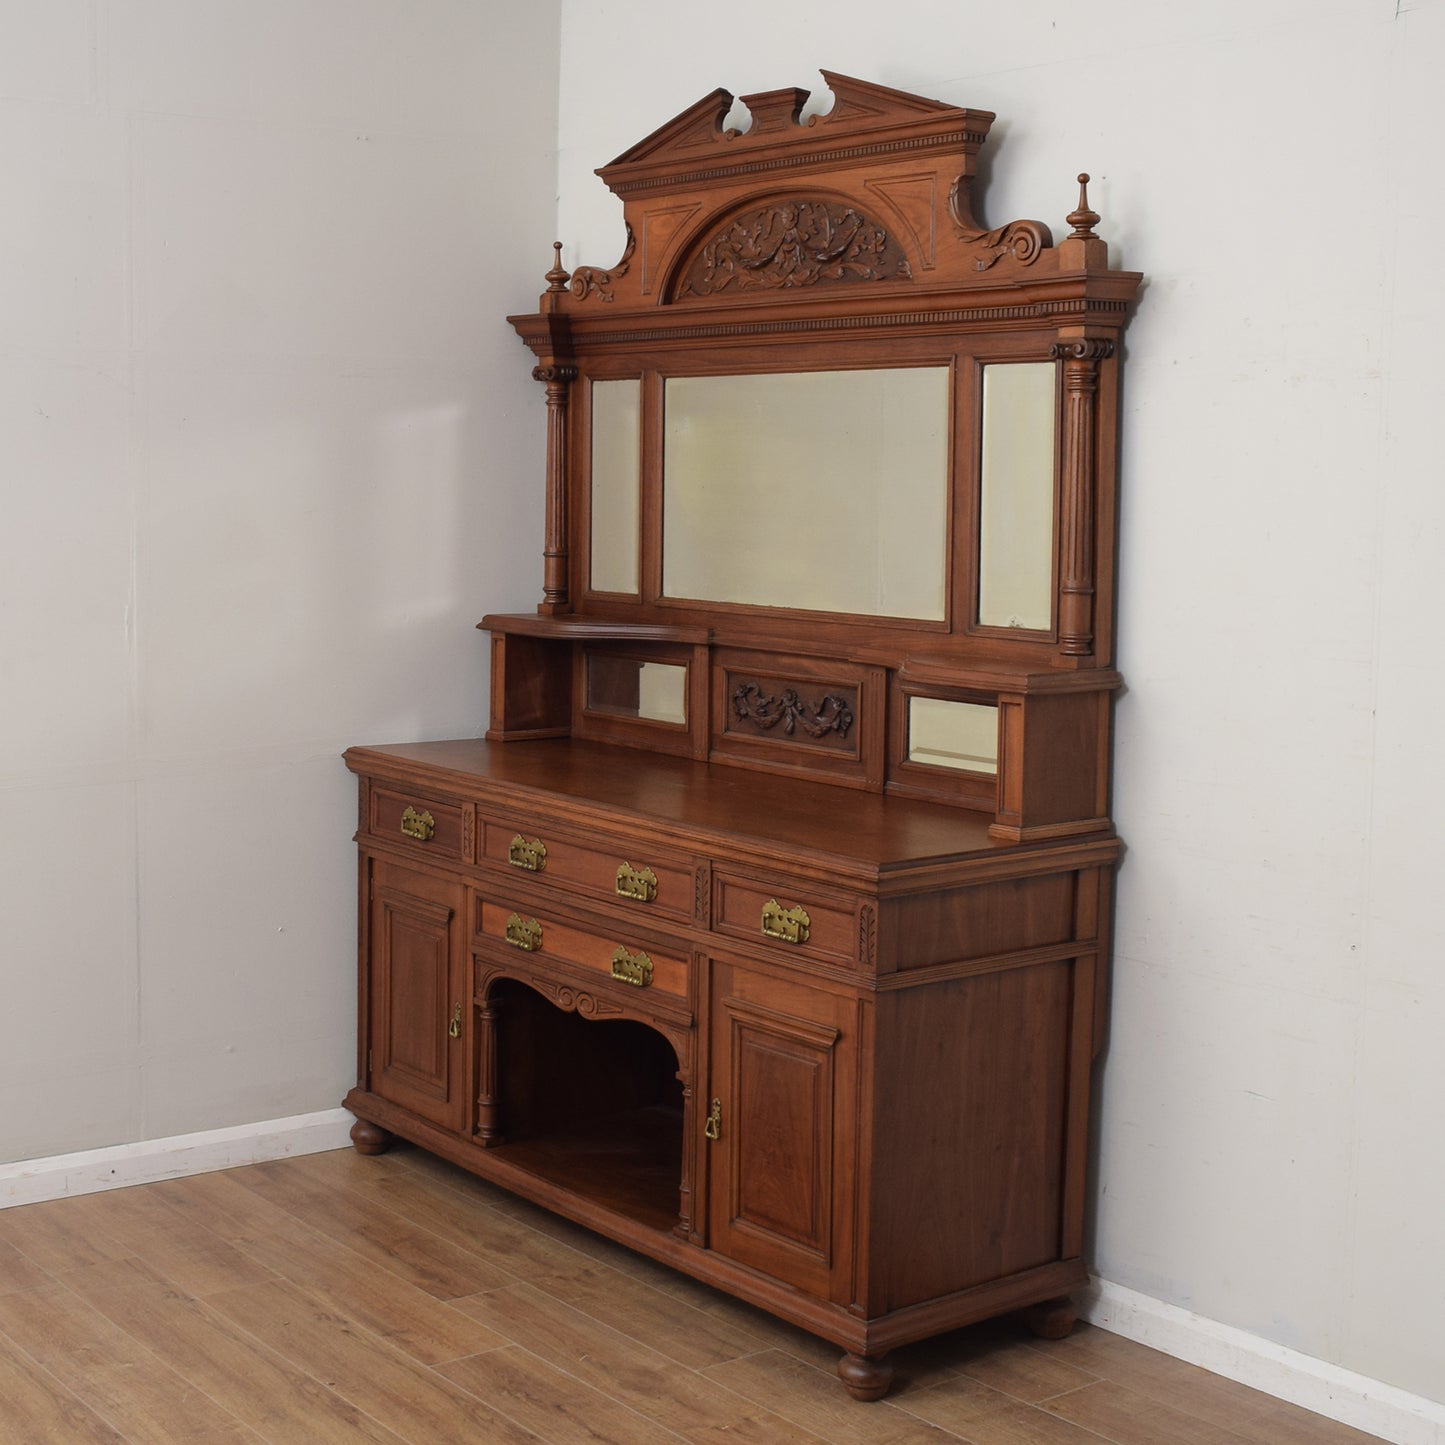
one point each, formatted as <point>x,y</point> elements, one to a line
<point>654,882</point>
<point>422,822</point>
<point>547,937</point>
<point>787,915</point>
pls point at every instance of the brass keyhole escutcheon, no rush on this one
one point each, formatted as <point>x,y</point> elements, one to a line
<point>713,1128</point>
<point>454,1029</point>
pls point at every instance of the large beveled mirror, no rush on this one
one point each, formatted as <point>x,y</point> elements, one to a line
<point>824,491</point>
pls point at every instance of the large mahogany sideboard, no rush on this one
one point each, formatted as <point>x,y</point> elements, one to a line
<point>767,930</point>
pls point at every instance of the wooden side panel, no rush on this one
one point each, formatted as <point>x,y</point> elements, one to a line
<point>971,1097</point>
<point>416,986</point>
<point>531,687</point>
<point>986,919</point>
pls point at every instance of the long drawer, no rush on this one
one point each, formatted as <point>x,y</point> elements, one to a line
<point>654,882</point>
<point>614,953</point>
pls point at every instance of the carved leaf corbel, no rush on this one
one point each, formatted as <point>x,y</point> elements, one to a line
<point>1023,240</point>
<point>591,281</point>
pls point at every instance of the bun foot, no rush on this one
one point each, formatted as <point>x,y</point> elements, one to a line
<point>369,1138</point>
<point>863,1378</point>
<point>1052,1319</point>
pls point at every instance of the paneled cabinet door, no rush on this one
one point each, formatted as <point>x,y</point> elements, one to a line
<point>417,992</point>
<point>781,1127</point>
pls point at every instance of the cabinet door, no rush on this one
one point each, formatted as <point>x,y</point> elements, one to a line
<point>417,998</point>
<point>783,1075</point>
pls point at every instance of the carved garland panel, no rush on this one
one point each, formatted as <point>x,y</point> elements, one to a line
<point>794,242</point>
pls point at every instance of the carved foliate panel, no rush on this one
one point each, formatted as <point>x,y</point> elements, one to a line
<point>790,243</point>
<point>788,713</point>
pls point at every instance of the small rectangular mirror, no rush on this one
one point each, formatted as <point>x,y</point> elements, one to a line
<point>1016,504</point>
<point>629,687</point>
<point>961,735</point>
<point>616,483</point>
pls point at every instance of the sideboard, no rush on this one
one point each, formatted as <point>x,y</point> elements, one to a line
<point>767,930</point>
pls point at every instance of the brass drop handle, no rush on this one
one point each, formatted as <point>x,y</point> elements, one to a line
<point>789,925</point>
<point>416,825</point>
<point>523,933</point>
<point>636,883</point>
<point>531,856</point>
<point>633,968</point>
<point>713,1128</point>
<point>454,1029</point>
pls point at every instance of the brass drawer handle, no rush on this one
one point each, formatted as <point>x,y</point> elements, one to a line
<point>790,925</point>
<point>454,1029</point>
<point>416,825</point>
<point>523,933</point>
<point>633,968</point>
<point>713,1128</point>
<point>531,856</point>
<point>638,883</point>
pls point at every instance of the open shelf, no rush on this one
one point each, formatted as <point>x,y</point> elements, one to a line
<point>593,1106</point>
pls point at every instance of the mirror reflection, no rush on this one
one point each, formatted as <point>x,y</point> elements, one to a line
<point>1016,506</point>
<point>962,735</point>
<point>629,687</point>
<point>616,409</point>
<point>824,491</point>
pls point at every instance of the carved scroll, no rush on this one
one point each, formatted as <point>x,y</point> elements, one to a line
<point>1022,240</point>
<point>830,714</point>
<point>795,243</point>
<point>592,281</point>
<point>1081,360</point>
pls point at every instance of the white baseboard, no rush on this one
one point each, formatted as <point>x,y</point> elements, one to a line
<point>1327,1389</point>
<point>30,1181</point>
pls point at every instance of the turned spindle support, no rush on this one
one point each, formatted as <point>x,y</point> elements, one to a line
<point>558,377</point>
<point>1081,360</point>
<point>489,1104</point>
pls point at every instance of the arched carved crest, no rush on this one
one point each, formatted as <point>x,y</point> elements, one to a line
<point>790,242</point>
<point>876,188</point>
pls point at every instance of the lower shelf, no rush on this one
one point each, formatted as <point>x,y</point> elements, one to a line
<point>629,1162</point>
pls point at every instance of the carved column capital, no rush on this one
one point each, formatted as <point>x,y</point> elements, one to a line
<point>555,375</point>
<point>1083,348</point>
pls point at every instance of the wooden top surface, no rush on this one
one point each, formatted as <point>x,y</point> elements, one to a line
<point>865,832</point>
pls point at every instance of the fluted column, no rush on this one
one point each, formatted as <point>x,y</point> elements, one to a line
<point>1081,360</point>
<point>558,380</point>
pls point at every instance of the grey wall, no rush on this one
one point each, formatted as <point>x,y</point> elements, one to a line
<point>268,450</point>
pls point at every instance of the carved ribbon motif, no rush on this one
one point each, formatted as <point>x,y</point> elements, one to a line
<point>831,714</point>
<point>795,243</point>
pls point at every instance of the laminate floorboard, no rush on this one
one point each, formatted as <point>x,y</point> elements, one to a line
<point>396,1298</point>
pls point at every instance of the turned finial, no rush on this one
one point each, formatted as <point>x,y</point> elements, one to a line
<point>1083,220</point>
<point>558,277</point>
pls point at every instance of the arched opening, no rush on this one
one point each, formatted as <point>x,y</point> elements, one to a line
<point>593,1104</point>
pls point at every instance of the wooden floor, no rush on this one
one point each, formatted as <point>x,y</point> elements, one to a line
<point>336,1298</point>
